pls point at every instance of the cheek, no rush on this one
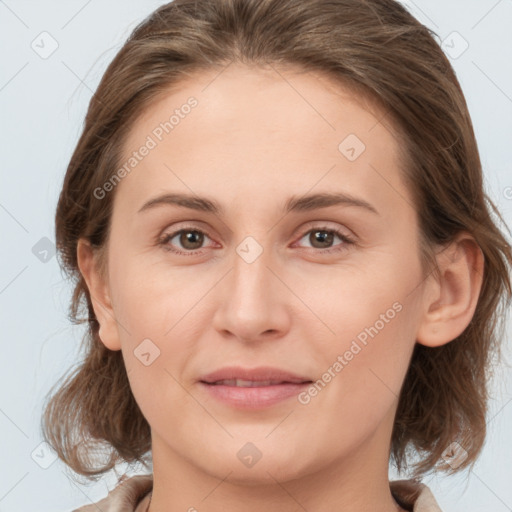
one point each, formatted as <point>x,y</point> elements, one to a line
<point>360,375</point>
<point>150,299</point>
<point>157,334</point>
<point>349,297</point>
<point>365,331</point>
<point>160,315</point>
<point>371,351</point>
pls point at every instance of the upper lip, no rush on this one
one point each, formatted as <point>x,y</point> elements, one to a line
<point>261,373</point>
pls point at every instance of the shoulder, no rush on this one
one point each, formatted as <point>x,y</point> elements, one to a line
<point>124,497</point>
<point>414,494</point>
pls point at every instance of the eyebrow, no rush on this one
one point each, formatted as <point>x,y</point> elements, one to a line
<point>293,204</point>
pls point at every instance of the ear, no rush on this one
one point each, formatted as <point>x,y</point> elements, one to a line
<point>100,295</point>
<point>452,297</point>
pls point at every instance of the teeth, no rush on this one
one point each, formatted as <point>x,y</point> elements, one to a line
<point>247,383</point>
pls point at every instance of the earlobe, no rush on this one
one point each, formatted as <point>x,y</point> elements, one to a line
<point>100,296</point>
<point>451,298</point>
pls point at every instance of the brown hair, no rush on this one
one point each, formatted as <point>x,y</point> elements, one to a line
<point>375,47</point>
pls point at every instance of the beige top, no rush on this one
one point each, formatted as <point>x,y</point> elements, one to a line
<point>132,495</point>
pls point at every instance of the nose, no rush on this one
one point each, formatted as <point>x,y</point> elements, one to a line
<point>252,300</point>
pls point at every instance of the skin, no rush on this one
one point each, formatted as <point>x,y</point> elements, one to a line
<point>256,138</point>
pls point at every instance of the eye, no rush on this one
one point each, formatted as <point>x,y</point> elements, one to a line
<point>190,239</point>
<point>322,237</point>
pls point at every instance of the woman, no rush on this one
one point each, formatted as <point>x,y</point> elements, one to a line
<point>276,219</point>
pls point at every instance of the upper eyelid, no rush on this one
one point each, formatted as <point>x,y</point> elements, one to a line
<point>319,224</point>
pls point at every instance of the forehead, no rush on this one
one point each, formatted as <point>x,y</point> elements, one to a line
<point>259,132</point>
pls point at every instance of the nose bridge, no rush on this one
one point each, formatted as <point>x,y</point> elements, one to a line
<point>250,277</point>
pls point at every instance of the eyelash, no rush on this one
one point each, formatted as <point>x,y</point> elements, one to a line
<point>164,240</point>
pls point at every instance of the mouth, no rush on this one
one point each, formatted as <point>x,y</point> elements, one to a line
<point>252,388</point>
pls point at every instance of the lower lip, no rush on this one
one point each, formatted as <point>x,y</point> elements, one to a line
<point>255,397</point>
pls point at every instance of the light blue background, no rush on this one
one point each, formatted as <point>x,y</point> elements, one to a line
<point>42,107</point>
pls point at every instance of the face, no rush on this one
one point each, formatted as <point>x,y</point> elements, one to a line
<point>256,274</point>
